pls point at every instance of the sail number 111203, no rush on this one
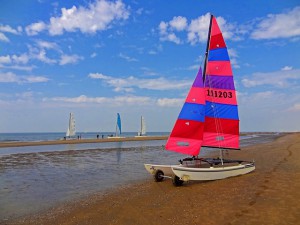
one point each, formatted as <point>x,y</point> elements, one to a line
<point>219,94</point>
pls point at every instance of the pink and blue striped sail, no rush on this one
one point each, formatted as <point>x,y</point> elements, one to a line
<point>209,116</point>
<point>221,113</point>
<point>187,134</point>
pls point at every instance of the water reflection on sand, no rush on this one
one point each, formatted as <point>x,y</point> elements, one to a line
<point>34,179</point>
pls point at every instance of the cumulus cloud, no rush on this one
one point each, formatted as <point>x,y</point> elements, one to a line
<point>178,23</point>
<point>283,25</point>
<point>35,28</point>
<point>280,79</point>
<point>97,16</point>
<point>196,30</point>
<point>167,34</point>
<point>127,84</point>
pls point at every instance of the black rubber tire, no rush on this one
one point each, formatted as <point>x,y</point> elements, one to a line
<point>177,182</point>
<point>158,176</point>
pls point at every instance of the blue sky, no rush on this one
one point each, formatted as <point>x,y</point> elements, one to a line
<point>96,58</point>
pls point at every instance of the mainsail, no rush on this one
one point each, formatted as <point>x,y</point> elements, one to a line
<point>71,131</point>
<point>143,126</point>
<point>209,116</point>
<point>118,127</point>
<point>221,113</point>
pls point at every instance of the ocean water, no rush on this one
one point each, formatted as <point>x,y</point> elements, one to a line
<point>34,179</point>
<point>7,137</point>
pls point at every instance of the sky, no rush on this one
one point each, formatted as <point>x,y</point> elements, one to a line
<point>98,58</point>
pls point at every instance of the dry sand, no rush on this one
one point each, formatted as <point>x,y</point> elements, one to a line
<point>80,141</point>
<point>270,195</point>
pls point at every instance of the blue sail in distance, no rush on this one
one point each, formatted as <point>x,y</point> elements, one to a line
<point>119,123</point>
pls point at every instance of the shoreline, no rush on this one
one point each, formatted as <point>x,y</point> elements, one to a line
<point>80,141</point>
<point>269,195</point>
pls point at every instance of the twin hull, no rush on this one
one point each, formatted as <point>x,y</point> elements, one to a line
<point>211,173</point>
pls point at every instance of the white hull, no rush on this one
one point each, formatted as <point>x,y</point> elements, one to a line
<point>166,169</point>
<point>211,173</point>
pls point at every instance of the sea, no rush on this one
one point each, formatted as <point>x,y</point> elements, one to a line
<point>37,178</point>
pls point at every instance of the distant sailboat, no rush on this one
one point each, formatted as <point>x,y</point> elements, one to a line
<point>71,131</point>
<point>118,128</point>
<point>142,131</point>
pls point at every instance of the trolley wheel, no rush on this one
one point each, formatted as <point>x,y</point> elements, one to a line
<point>177,182</point>
<point>159,176</point>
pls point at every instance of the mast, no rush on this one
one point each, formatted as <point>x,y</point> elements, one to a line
<point>207,47</point>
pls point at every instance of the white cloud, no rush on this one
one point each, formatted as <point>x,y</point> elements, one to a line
<point>281,79</point>
<point>10,77</point>
<point>5,59</point>
<point>114,101</point>
<point>98,76</point>
<point>170,102</point>
<point>93,55</point>
<point>35,28</point>
<point>284,25</point>
<point>17,67</point>
<point>166,32</point>
<point>69,59</point>
<point>287,68</point>
<point>97,16</point>
<point>178,23</point>
<point>8,29</point>
<point>47,45</point>
<point>3,38</point>
<point>127,58</point>
<point>35,79</point>
<point>41,56</point>
<point>21,59</point>
<point>150,84</point>
<point>196,30</point>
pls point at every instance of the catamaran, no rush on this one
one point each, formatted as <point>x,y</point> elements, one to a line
<point>71,131</point>
<point>118,128</point>
<point>208,118</point>
<point>142,131</point>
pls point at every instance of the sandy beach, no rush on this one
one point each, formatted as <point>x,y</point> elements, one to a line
<point>270,195</point>
<point>80,141</point>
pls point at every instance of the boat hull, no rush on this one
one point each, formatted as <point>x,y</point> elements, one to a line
<point>166,169</point>
<point>211,173</point>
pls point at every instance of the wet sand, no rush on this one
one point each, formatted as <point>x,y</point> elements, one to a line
<point>270,195</point>
<point>80,141</point>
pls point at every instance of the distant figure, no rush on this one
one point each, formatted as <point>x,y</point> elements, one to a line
<point>65,138</point>
<point>78,137</point>
<point>102,136</point>
<point>97,136</point>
